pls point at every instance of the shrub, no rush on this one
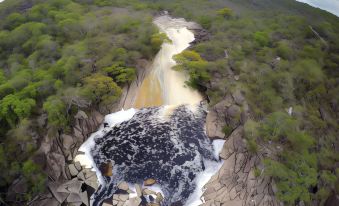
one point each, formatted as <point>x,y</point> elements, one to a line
<point>261,38</point>
<point>227,130</point>
<point>225,12</point>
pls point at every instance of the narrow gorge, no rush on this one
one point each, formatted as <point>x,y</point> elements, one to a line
<point>164,138</point>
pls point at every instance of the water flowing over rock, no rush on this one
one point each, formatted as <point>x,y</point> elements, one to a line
<point>163,85</point>
<point>165,143</point>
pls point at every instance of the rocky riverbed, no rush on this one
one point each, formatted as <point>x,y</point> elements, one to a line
<point>238,182</point>
<point>234,184</point>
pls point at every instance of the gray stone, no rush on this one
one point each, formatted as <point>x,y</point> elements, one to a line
<point>47,202</point>
<point>67,141</point>
<point>81,176</point>
<point>123,197</point>
<point>115,202</point>
<point>74,198</point>
<point>73,170</point>
<point>116,197</point>
<point>135,201</point>
<point>55,165</point>
<point>81,115</point>
<point>159,198</point>
<point>78,166</point>
<point>84,197</point>
<point>123,186</point>
<point>138,190</point>
<point>42,120</point>
<point>147,191</point>
<point>99,118</point>
<point>214,126</point>
<point>59,196</point>
<point>238,97</point>
<point>78,134</point>
<point>234,111</point>
<point>88,173</point>
<point>71,186</point>
<point>92,181</point>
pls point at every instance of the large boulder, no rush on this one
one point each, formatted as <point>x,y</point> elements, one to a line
<point>59,196</point>
<point>67,141</point>
<point>234,111</point>
<point>214,125</point>
<point>56,165</point>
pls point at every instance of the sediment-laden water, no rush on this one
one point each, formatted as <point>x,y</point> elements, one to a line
<point>164,139</point>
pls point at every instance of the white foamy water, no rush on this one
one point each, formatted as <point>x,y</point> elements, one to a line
<point>173,92</point>
<point>86,159</point>
<point>202,178</point>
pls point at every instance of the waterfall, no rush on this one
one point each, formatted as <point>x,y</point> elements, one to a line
<point>164,138</point>
<point>165,86</point>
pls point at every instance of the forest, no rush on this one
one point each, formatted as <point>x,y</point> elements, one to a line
<point>60,56</point>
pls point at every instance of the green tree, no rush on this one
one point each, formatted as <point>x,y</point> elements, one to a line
<point>56,111</point>
<point>225,12</point>
<point>308,71</point>
<point>294,177</point>
<point>277,126</point>
<point>157,40</point>
<point>101,90</point>
<point>120,73</point>
<point>14,20</point>
<point>284,50</point>
<point>261,38</point>
<point>192,62</point>
<point>14,108</point>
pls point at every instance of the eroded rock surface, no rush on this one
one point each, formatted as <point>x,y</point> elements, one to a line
<point>69,183</point>
<point>235,183</point>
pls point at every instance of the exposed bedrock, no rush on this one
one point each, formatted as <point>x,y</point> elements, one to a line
<point>236,183</point>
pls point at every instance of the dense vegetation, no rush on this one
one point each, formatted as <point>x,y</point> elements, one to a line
<point>58,56</point>
<point>281,55</point>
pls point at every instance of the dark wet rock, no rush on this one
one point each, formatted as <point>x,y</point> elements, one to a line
<point>149,182</point>
<point>200,35</point>
<point>106,169</point>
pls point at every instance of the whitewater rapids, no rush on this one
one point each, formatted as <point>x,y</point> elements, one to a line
<point>167,143</point>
